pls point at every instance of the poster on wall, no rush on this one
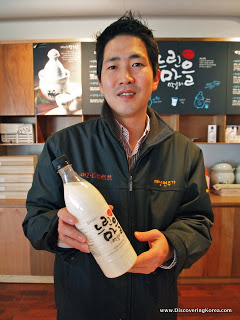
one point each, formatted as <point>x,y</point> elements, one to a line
<point>92,97</point>
<point>233,97</point>
<point>57,78</point>
<point>193,78</point>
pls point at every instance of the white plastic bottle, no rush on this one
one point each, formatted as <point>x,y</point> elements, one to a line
<point>107,241</point>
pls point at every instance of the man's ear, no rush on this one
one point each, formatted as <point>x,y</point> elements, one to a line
<point>100,86</point>
<point>156,80</point>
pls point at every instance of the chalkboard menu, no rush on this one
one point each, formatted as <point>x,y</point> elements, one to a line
<point>233,91</point>
<point>92,98</point>
<point>193,78</point>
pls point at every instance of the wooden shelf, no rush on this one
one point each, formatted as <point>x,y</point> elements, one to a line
<point>196,126</point>
<point>233,119</point>
<point>47,125</point>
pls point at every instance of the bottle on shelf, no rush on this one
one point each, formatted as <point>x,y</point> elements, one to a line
<point>107,241</point>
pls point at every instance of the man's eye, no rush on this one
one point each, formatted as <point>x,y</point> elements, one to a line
<point>137,64</point>
<point>112,67</point>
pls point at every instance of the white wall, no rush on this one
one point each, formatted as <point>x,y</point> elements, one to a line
<point>220,153</point>
<point>87,28</point>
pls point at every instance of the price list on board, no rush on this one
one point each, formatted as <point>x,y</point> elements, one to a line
<point>92,97</point>
<point>233,92</point>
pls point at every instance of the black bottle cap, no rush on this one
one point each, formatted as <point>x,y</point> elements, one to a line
<point>60,162</point>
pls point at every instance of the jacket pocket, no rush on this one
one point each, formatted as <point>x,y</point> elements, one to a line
<point>70,256</point>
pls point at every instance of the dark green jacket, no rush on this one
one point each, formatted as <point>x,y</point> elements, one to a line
<point>166,191</point>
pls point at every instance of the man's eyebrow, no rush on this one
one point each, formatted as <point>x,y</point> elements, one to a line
<point>135,56</point>
<point>112,59</point>
<point>117,58</point>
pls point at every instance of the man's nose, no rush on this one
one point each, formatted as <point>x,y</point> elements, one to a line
<point>126,77</point>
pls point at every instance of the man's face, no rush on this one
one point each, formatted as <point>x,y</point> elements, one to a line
<point>127,76</point>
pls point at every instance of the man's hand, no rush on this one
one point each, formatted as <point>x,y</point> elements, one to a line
<point>68,233</point>
<point>159,252</point>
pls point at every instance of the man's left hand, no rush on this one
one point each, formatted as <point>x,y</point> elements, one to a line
<point>159,252</point>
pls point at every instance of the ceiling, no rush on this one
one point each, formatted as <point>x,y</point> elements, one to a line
<point>54,9</point>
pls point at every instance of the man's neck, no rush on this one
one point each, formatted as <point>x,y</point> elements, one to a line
<point>135,127</point>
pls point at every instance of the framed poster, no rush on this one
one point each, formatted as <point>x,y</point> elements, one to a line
<point>193,78</point>
<point>57,78</point>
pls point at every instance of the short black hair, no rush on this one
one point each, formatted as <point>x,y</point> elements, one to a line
<point>127,25</point>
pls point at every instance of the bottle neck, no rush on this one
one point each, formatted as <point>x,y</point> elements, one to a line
<point>69,175</point>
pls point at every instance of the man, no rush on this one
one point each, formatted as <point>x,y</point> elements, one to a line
<point>153,177</point>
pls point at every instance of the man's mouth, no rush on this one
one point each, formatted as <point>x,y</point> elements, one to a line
<point>127,94</point>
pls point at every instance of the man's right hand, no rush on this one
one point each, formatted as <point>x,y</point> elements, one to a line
<point>68,233</point>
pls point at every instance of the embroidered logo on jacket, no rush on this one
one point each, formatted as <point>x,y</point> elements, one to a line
<point>165,183</point>
<point>95,175</point>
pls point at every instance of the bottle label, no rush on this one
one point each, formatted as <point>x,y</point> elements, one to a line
<point>104,234</point>
<point>95,220</point>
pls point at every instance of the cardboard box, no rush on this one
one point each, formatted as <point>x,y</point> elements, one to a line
<point>29,160</point>
<point>227,189</point>
<point>16,133</point>
<point>13,195</point>
<point>16,175</point>
<point>16,178</point>
<point>16,169</point>
<point>14,186</point>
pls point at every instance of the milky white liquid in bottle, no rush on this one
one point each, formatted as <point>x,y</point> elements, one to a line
<point>107,241</point>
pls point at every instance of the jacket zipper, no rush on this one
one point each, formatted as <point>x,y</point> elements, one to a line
<point>130,184</point>
<point>131,231</point>
<point>130,190</point>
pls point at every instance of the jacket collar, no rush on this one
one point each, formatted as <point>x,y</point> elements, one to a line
<point>159,130</point>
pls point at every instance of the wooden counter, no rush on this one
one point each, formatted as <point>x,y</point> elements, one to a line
<point>217,201</point>
<point>12,203</point>
<point>221,262</point>
<point>220,201</point>
<point>219,265</point>
<point>19,260</point>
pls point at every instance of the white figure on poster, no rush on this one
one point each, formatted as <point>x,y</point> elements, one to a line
<point>54,78</point>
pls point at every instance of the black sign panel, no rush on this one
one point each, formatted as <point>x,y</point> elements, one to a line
<point>193,78</point>
<point>92,98</point>
<point>233,92</point>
